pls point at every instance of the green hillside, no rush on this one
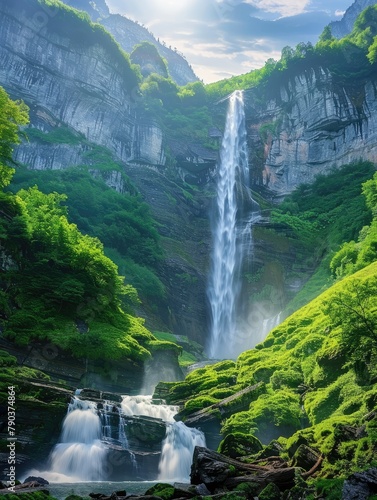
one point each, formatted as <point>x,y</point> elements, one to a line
<point>317,373</point>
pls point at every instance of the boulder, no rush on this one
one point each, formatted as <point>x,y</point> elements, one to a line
<point>361,485</point>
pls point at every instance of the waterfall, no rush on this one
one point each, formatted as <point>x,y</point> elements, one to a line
<point>229,234</point>
<point>90,435</point>
<point>179,443</point>
<point>80,454</point>
<point>177,451</point>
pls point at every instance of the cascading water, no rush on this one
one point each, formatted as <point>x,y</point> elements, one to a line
<point>177,451</point>
<point>91,431</point>
<point>179,443</point>
<point>229,234</point>
<point>80,454</point>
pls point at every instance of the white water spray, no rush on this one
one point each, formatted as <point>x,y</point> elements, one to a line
<point>228,246</point>
<point>80,454</point>
<point>178,446</point>
<point>177,452</point>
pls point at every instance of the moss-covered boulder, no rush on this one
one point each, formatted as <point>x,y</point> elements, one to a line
<point>239,445</point>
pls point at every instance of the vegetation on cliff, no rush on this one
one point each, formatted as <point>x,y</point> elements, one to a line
<point>354,56</point>
<point>318,370</point>
<point>57,284</point>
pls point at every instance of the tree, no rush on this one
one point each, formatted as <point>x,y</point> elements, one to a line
<point>13,114</point>
<point>354,310</point>
<point>326,35</point>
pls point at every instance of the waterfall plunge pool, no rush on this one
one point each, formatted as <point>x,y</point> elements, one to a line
<point>63,490</point>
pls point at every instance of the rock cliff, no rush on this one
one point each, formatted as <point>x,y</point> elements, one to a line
<point>82,85</point>
<point>77,88</point>
<point>341,28</point>
<point>312,124</point>
<point>129,33</point>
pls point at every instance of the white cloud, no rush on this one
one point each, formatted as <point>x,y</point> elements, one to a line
<point>340,13</point>
<point>282,7</point>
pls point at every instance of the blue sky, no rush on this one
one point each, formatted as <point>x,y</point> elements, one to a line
<point>221,38</point>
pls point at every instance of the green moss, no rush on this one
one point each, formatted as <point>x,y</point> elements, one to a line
<point>200,402</point>
<point>331,489</point>
<point>239,445</point>
<point>35,495</point>
<point>162,490</point>
<point>270,492</point>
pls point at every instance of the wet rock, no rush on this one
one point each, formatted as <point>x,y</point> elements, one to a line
<point>360,485</point>
<point>36,479</point>
<point>305,457</point>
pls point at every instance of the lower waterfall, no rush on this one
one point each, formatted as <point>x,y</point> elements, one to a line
<point>91,430</point>
<point>177,451</point>
<point>80,454</point>
<point>179,443</point>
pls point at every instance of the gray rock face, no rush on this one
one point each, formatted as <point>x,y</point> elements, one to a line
<point>81,85</point>
<point>317,126</point>
<point>129,33</point>
<point>341,28</point>
<point>360,485</point>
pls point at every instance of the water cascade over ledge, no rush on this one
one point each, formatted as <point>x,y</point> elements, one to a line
<point>231,235</point>
<point>103,441</point>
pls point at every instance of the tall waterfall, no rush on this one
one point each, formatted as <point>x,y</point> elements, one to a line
<point>229,234</point>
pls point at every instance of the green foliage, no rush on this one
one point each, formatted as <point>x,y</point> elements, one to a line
<point>58,135</point>
<point>199,403</point>
<point>34,495</point>
<point>354,310</point>
<point>146,55</point>
<point>355,255</point>
<point>161,490</point>
<point>61,276</point>
<point>191,351</point>
<point>121,221</point>
<point>13,114</point>
<point>330,489</point>
<point>181,111</point>
<point>270,492</point>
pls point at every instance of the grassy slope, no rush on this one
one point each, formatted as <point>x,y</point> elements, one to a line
<point>312,387</point>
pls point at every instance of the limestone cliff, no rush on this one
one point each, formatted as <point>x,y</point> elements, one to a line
<point>82,85</point>
<point>77,87</point>
<point>310,124</point>
<point>341,28</point>
<point>129,33</point>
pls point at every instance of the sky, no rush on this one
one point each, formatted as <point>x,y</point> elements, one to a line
<point>222,38</point>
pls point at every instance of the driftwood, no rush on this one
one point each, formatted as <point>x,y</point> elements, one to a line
<point>214,469</point>
<point>315,467</point>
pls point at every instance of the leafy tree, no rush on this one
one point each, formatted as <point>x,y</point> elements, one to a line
<point>326,35</point>
<point>13,114</point>
<point>354,310</point>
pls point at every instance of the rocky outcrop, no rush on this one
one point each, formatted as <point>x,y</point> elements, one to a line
<point>129,33</point>
<point>342,28</point>
<point>81,85</point>
<point>314,124</point>
<point>360,486</point>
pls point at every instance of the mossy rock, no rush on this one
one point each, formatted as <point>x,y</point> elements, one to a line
<point>238,445</point>
<point>270,492</point>
<point>162,490</point>
<point>251,489</point>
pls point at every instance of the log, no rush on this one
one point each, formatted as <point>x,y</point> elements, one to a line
<point>214,469</point>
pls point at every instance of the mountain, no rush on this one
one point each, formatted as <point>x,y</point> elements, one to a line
<point>342,28</point>
<point>129,33</point>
